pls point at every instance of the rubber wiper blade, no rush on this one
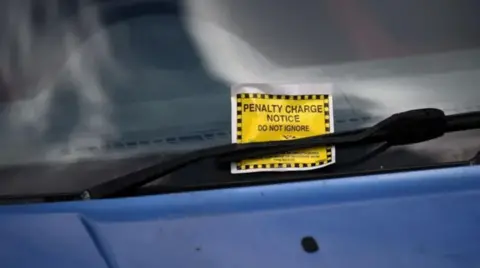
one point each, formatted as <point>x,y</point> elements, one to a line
<point>408,127</point>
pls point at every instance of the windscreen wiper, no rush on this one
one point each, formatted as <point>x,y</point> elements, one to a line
<point>399,129</point>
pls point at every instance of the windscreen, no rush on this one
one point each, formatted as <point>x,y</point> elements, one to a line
<point>75,85</point>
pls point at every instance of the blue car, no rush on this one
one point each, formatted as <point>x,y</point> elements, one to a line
<point>116,141</point>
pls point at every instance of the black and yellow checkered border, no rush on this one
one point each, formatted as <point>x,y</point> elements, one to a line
<point>281,97</point>
<point>327,108</point>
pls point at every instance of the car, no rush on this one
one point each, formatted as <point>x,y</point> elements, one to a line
<point>116,136</point>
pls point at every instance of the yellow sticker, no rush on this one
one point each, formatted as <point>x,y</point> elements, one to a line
<point>271,117</point>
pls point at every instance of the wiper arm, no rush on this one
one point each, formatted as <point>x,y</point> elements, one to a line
<point>399,129</point>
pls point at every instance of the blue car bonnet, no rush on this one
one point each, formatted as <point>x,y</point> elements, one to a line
<point>416,219</point>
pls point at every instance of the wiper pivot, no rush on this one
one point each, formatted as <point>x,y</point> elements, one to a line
<point>415,126</point>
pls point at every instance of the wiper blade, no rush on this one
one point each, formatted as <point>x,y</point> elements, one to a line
<point>399,129</point>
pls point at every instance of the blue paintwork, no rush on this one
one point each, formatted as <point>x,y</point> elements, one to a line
<point>411,219</point>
